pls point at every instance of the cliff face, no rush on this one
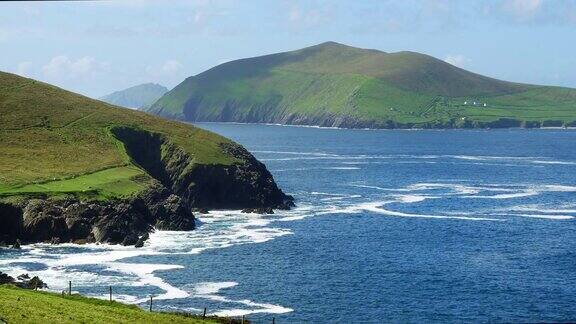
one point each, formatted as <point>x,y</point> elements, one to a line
<point>255,115</point>
<point>72,220</point>
<point>178,187</point>
<point>246,184</point>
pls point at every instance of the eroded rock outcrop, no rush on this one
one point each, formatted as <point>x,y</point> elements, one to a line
<point>72,220</point>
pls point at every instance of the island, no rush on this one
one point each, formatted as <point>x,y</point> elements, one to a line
<point>335,85</point>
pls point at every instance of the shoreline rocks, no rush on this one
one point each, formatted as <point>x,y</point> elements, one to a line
<point>116,222</point>
<point>22,281</point>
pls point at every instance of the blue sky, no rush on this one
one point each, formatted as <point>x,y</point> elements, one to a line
<point>98,47</point>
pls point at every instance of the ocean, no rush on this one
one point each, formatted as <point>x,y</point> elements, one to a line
<point>390,226</point>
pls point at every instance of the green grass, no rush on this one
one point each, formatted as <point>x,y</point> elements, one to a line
<point>54,141</point>
<point>27,306</point>
<point>333,80</point>
<point>116,182</point>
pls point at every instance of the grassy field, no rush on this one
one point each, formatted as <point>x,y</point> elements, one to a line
<point>115,182</point>
<point>331,80</point>
<point>53,142</point>
<point>28,306</point>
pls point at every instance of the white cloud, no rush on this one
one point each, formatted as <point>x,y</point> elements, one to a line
<point>168,68</point>
<point>456,60</point>
<point>63,67</point>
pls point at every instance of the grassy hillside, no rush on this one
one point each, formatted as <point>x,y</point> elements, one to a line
<point>56,142</point>
<point>27,306</point>
<point>140,96</point>
<point>336,85</point>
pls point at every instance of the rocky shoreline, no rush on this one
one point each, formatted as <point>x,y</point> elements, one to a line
<point>167,203</point>
<point>352,122</point>
<point>126,222</point>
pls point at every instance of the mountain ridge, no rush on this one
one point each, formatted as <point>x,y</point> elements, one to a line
<point>332,84</point>
<point>137,97</point>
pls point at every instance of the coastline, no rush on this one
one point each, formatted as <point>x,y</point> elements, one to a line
<point>198,123</point>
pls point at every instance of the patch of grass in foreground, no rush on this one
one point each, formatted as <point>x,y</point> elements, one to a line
<point>28,306</point>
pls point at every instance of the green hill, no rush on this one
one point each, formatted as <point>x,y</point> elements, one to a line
<point>140,96</point>
<point>28,306</point>
<point>73,168</point>
<point>337,85</point>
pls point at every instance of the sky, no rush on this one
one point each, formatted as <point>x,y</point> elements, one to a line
<point>97,47</point>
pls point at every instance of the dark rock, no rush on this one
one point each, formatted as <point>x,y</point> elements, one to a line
<point>23,281</point>
<point>5,279</point>
<point>130,239</point>
<point>173,215</point>
<point>141,240</point>
<point>78,228</point>
<point>260,210</point>
<point>10,223</point>
<point>35,283</point>
<point>16,244</point>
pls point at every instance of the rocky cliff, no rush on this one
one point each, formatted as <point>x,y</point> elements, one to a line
<point>179,186</point>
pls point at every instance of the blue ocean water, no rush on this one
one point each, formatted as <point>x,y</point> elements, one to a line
<point>391,226</point>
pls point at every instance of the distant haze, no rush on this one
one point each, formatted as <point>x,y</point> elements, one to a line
<point>136,97</point>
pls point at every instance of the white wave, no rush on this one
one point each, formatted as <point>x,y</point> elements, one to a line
<point>457,188</point>
<point>554,162</point>
<point>538,209</point>
<point>317,193</point>
<point>378,188</point>
<point>145,273</point>
<point>297,153</point>
<point>555,217</point>
<point>355,162</point>
<point>412,198</point>
<point>316,168</point>
<point>526,193</point>
<point>375,207</point>
<point>489,158</point>
<point>210,290</point>
<point>343,168</point>
<point>221,229</point>
<point>559,188</point>
<point>340,198</point>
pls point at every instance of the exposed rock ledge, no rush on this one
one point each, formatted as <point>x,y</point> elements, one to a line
<point>180,187</point>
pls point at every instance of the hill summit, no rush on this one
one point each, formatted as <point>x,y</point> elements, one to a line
<point>138,97</point>
<point>332,84</point>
